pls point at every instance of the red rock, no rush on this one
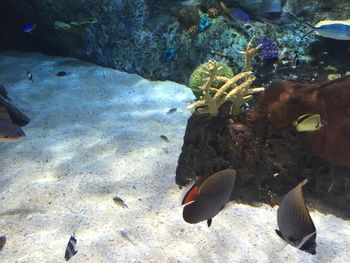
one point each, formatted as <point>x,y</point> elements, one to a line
<point>285,102</point>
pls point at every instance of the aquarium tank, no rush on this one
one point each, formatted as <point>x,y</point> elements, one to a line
<point>180,131</point>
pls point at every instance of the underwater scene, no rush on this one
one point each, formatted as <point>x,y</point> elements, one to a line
<point>178,131</point>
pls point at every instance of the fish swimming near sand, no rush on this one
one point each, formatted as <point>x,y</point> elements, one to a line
<point>294,221</point>
<point>207,200</point>
<point>61,73</point>
<point>172,110</point>
<point>119,202</point>
<point>336,29</point>
<point>10,132</point>
<point>2,242</point>
<point>164,138</point>
<point>71,248</point>
<point>309,123</point>
<point>30,76</point>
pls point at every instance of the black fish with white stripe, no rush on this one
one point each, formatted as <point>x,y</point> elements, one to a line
<point>294,221</point>
<point>71,248</point>
<point>207,200</point>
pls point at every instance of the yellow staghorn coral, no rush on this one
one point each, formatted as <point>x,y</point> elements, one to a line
<point>237,89</point>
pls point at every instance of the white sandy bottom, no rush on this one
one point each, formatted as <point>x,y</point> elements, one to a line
<point>95,134</point>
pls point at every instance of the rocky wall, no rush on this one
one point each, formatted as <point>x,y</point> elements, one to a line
<point>145,37</point>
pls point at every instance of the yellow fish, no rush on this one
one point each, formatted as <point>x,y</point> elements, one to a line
<point>308,123</point>
<point>336,29</point>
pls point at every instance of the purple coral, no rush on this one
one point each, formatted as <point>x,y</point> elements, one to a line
<point>269,49</point>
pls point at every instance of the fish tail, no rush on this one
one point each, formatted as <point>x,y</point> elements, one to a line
<point>304,182</point>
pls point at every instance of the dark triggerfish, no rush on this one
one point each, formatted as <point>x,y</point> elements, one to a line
<point>205,202</point>
<point>294,221</point>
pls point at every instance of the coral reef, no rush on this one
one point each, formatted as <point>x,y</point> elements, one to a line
<point>268,161</point>
<point>129,25</point>
<point>269,49</point>
<point>204,23</point>
<point>236,90</point>
<point>169,54</point>
<point>269,154</point>
<point>213,12</point>
<point>206,4</point>
<point>188,16</point>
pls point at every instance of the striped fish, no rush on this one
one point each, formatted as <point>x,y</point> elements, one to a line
<point>309,123</point>
<point>294,221</point>
<point>205,202</point>
<point>71,248</point>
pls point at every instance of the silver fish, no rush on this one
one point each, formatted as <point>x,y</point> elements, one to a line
<point>294,221</point>
<point>71,248</point>
<point>213,194</point>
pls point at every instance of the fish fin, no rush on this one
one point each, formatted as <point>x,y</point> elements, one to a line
<point>285,243</point>
<point>209,222</point>
<point>279,234</point>
<point>191,195</point>
<point>303,118</point>
<point>304,182</point>
<point>305,239</point>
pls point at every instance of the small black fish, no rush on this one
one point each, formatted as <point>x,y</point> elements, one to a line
<point>61,73</point>
<point>119,202</point>
<point>294,221</point>
<point>71,248</point>
<point>30,76</point>
<point>2,242</point>
<point>172,110</point>
<point>164,138</point>
<point>209,199</point>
